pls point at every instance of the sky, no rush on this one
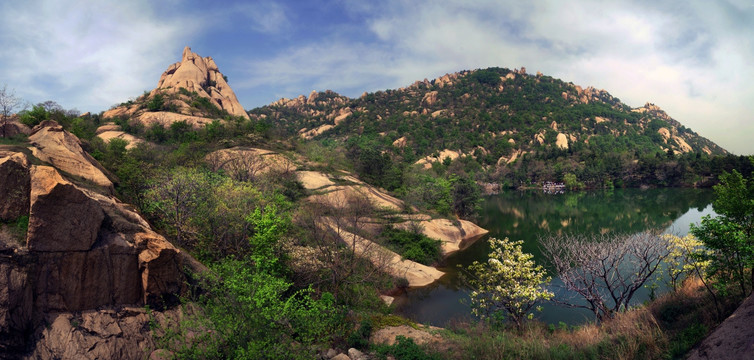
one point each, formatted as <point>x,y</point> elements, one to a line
<point>692,58</point>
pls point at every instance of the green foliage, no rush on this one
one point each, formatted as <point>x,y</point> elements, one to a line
<point>688,257</point>
<point>571,182</point>
<point>413,245</point>
<point>730,235</point>
<point>33,117</point>
<point>360,338</point>
<point>508,285</point>
<point>156,102</point>
<point>268,226</point>
<point>466,197</point>
<point>405,349</point>
<point>248,314</point>
<point>16,228</point>
<point>686,340</point>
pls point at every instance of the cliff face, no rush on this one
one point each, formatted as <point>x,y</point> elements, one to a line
<point>84,250</point>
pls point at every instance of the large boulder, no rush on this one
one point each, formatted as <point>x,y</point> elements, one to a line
<point>62,217</point>
<point>84,250</point>
<point>15,186</point>
<point>51,144</point>
<point>194,74</point>
<point>10,128</point>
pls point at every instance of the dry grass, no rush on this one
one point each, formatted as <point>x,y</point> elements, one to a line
<point>666,328</point>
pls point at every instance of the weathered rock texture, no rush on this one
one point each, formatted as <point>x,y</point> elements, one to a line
<point>14,186</point>
<point>733,339</point>
<point>111,131</point>
<point>200,74</point>
<point>52,144</point>
<point>194,74</point>
<point>334,191</point>
<point>84,250</point>
<point>10,127</point>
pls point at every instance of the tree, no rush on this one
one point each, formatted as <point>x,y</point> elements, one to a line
<point>605,271</point>
<point>8,101</point>
<point>177,198</point>
<point>731,234</point>
<point>333,226</point>
<point>508,284</point>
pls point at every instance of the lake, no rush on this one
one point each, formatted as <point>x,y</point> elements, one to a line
<point>526,215</point>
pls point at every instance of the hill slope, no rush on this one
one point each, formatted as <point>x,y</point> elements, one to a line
<point>507,121</point>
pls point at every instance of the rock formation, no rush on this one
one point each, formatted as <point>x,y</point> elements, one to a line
<point>52,144</point>
<point>83,250</point>
<point>10,127</point>
<point>194,77</point>
<point>200,74</point>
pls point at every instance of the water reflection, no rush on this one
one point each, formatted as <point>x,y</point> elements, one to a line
<point>528,215</point>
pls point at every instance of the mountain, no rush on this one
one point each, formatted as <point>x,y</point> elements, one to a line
<point>503,111</point>
<point>192,90</point>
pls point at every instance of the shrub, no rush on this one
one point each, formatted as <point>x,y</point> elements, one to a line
<point>414,246</point>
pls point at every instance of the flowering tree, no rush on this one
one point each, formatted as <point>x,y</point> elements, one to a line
<point>509,283</point>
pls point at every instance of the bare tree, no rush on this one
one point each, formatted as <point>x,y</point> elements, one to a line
<point>336,230</point>
<point>8,101</point>
<point>241,166</point>
<point>605,271</point>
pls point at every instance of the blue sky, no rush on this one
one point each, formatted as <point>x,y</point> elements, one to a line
<point>692,58</point>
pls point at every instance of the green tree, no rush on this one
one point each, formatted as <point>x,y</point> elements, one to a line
<point>508,284</point>
<point>730,235</point>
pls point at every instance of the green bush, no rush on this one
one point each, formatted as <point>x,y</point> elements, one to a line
<point>155,103</point>
<point>411,245</point>
<point>360,338</point>
<point>405,349</point>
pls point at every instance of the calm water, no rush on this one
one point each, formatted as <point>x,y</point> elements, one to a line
<point>527,215</point>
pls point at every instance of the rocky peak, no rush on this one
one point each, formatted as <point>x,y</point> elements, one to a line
<point>200,74</point>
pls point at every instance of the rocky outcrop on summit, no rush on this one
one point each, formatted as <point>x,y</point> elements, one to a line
<point>186,91</point>
<point>83,250</point>
<point>200,74</point>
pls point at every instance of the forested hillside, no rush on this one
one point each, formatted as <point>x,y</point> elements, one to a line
<point>514,127</point>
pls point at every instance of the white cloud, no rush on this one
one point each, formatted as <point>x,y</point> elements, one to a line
<point>262,16</point>
<point>85,54</point>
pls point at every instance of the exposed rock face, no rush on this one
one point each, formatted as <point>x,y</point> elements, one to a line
<point>732,339</point>
<point>111,131</point>
<point>84,250</point>
<point>52,196</point>
<point>200,74</point>
<point>63,150</point>
<point>15,186</point>
<point>195,74</point>
<point>10,127</point>
<point>247,163</point>
<point>107,334</point>
<point>453,237</point>
<point>561,141</point>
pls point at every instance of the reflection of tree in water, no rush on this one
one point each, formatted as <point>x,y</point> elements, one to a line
<point>525,215</point>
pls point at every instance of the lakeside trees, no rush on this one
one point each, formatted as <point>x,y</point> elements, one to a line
<point>606,271</point>
<point>730,235</point>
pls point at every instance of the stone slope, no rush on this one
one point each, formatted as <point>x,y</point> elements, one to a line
<point>52,144</point>
<point>733,339</point>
